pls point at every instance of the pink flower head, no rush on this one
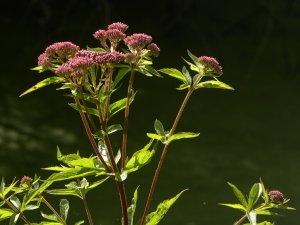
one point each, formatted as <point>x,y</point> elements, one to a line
<point>86,53</point>
<point>211,65</point>
<point>137,41</point>
<point>154,49</point>
<point>276,196</point>
<point>26,180</point>
<point>100,35</point>
<point>62,50</point>
<point>109,57</point>
<point>115,35</point>
<point>65,70</point>
<point>118,26</point>
<point>44,61</point>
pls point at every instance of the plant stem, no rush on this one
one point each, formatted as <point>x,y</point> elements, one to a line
<point>125,126</point>
<point>87,210</point>
<point>16,210</point>
<point>54,211</point>
<point>163,155</point>
<point>240,220</point>
<point>91,138</point>
<point>87,111</point>
<point>110,71</point>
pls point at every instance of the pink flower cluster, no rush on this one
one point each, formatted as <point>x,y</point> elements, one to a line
<point>276,196</point>
<point>85,59</point>
<point>138,41</point>
<point>59,51</point>
<point>25,180</point>
<point>211,65</point>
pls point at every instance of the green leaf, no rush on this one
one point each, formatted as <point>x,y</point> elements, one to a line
<point>254,195</point>
<point>194,58</point>
<point>161,138</point>
<point>119,105</point>
<point>281,206</point>
<point>132,207</point>
<point>174,73</point>
<point>192,66</point>
<point>81,108</point>
<point>182,135</point>
<point>238,194</point>
<point>64,208</point>
<point>121,73</point>
<point>265,212</point>
<point>213,84</point>
<point>96,184</point>
<point>31,207</point>
<point>265,195</point>
<point>140,159</point>
<point>9,188</point>
<point>14,218</point>
<point>15,201</point>
<point>51,217</point>
<point>5,213</point>
<point>113,128</point>
<point>151,70</point>
<point>235,206</point>
<point>64,192</point>
<point>47,223</point>
<point>73,173</point>
<point>159,128</point>
<point>155,217</point>
<point>183,86</point>
<point>187,75</point>
<point>43,83</point>
<point>79,222</point>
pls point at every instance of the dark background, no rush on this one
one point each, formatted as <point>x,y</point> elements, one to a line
<point>247,134</point>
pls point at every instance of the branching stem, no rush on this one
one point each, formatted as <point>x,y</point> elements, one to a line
<point>54,211</point>
<point>23,217</point>
<point>163,155</point>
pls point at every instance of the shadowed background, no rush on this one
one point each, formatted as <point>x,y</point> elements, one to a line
<point>250,133</point>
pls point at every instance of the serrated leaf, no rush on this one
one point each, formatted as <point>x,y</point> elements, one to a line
<point>131,209</point>
<point>43,83</point>
<point>235,206</point>
<point>254,195</point>
<point>64,208</point>
<point>213,84</point>
<point>174,73</point>
<point>140,159</point>
<point>5,213</point>
<point>182,135</point>
<point>155,217</point>
<point>238,194</point>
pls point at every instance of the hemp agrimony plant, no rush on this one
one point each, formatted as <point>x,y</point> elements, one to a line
<point>91,78</point>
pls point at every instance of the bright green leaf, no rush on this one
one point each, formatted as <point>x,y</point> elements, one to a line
<point>192,66</point>
<point>235,206</point>
<point>183,86</point>
<point>174,73</point>
<point>159,128</point>
<point>155,217</point>
<point>194,58</point>
<point>79,222</point>
<point>43,83</point>
<point>51,217</point>
<point>119,105</point>
<point>161,138</point>
<point>81,108</point>
<point>151,70</point>
<point>265,212</point>
<point>114,128</point>
<point>15,201</point>
<point>213,84</point>
<point>14,218</point>
<point>254,195</point>
<point>47,223</point>
<point>121,73</point>
<point>182,135</point>
<point>5,213</point>
<point>9,188</point>
<point>187,75</point>
<point>238,194</point>
<point>64,192</point>
<point>140,159</point>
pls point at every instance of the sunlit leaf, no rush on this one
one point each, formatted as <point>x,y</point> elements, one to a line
<point>213,84</point>
<point>15,201</point>
<point>238,194</point>
<point>51,217</point>
<point>79,222</point>
<point>81,108</point>
<point>14,218</point>
<point>265,212</point>
<point>183,86</point>
<point>140,159</point>
<point>65,192</point>
<point>8,189</point>
<point>235,206</point>
<point>182,135</point>
<point>121,73</point>
<point>194,58</point>
<point>161,138</point>
<point>155,217</point>
<point>119,105</point>
<point>5,213</point>
<point>43,83</point>
<point>159,128</point>
<point>152,71</point>
<point>187,75</point>
<point>174,73</point>
<point>254,195</point>
<point>47,223</point>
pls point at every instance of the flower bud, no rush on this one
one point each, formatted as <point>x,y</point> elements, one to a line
<point>25,181</point>
<point>210,65</point>
<point>276,196</point>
